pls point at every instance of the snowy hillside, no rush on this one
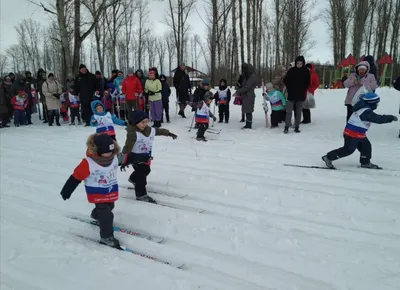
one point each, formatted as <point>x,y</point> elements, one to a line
<point>247,222</point>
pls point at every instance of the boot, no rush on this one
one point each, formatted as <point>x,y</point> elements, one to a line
<point>328,162</point>
<point>51,119</point>
<point>167,117</point>
<point>226,117</point>
<point>248,125</point>
<point>370,166</point>
<point>111,242</point>
<point>221,118</point>
<point>297,130</point>
<point>146,198</point>
<point>286,130</point>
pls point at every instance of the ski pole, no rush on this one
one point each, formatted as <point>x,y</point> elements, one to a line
<point>191,124</point>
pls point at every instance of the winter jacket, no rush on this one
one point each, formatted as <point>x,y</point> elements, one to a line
<point>368,81</point>
<point>165,92</point>
<point>372,66</point>
<point>131,88</point>
<point>153,89</point>
<point>247,90</point>
<point>277,100</point>
<point>314,80</point>
<point>101,85</point>
<point>100,175</point>
<point>297,81</point>
<point>117,83</point>
<point>360,120</point>
<point>3,101</point>
<point>52,91</point>
<point>20,101</point>
<point>396,84</point>
<point>131,136</point>
<point>104,121</point>
<point>85,86</point>
<point>142,79</point>
<point>181,82</point>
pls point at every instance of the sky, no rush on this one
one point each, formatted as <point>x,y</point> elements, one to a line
<point>9,18</point>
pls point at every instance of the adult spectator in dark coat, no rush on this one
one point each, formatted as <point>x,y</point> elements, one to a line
<point>101,83</point>
<point>40,79</point>
<point>296,81</point>
<point>250,81</point>
<point>182,86</point>
<point>3,106</point>
<point>239,84</point>
<point>85,86</point>
<point>396,84</point>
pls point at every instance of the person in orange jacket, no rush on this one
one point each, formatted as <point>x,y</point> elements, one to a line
<point>314,84</point>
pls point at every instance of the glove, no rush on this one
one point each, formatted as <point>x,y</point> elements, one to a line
<point>123,166</point>
<point>172,135</point>
<point>56,95</point>
<point>215,119</point>
<point>65,196</point>
<point>395,119</point>
<point>123,161</point>
<point>151,93</point>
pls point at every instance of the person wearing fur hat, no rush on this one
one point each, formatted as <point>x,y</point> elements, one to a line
<point>355,132</point>
<point>138,151</point>
<point>153,88</point>
<point>202,117</point>
<point>99,171</point>
<point>361,77</point>
<point>222,99</point>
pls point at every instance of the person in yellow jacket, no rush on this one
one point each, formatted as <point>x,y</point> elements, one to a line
<point>153,88</point>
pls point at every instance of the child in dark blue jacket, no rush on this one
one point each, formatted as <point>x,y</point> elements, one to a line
<point>356,129</point>
<point>165,93</point>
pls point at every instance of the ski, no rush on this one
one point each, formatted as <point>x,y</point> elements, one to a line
<point>123,248</point>
<point>130,187</point>
<point>309,166</point>
<point>379,168</point>
<point>119,229</point>
<point>265,106</point>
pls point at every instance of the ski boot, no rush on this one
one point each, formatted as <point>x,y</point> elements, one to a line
<point>201,139</point>
<point>146,198</point>
<point>370,166</point>
<point>111,242</point>
<point>328,162</point>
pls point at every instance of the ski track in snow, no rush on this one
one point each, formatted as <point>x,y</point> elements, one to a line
<point>264,226</point>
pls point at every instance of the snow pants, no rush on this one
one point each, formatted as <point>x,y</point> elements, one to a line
<point>103,213</point>
<point>139,178</point>
<point>202,128</point>
<point>277,117</point>
<point>297,107</point>
<point>19,117</point>
<point>349,112</point>
<point>165,105</point>
<point>223,111</point>
<point>75,113</point>
<point>350,145</point>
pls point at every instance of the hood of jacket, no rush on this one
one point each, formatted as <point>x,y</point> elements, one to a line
<point>311,66</point>
<point>139,71</point>
<point>362,104</point>
<point>365,63</point>
<point>163,77</point>
<point>93,107</point>
<point>91,152</point>
<point>300,58</point>
<point>247,69</point>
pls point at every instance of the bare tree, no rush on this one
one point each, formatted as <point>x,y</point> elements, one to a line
<point>160,49</point>
<point>142,13</point>
<point>241,30</point>
<point>3,63</point>
<point>361,10</point>
<point>170,45</point>
<point>177,16</point>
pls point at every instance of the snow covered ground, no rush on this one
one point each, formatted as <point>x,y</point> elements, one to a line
<point>265,226</point>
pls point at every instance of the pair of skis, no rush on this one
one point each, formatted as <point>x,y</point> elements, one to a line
<point>265,106</point>
<point>133,233</point>
<point>322,167</point>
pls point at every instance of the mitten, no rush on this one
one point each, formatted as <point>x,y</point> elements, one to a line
<point>215,119</point>
<point>172,135</point>
<point>395,119</point>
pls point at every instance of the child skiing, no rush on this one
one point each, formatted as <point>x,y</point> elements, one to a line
<point>222,99</point>
<point>356,129</point>
<point>138,149</point>
<point>278,103</point>
<point>99,171</point>
<point>104,122</point>
<point>203,115</point>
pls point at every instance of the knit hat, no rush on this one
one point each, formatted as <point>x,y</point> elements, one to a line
<point>99,104</point>
<point>131,71</point>
<point>104,143</point>
<point>370,98</point>
<point>205,82</point>
<point>182,63</point>
<point>81,66</point>
<point>50,75</point>
<point>362,67</point>
<point>98,73</point>
<point>138,116</point>
<point>208,95</point>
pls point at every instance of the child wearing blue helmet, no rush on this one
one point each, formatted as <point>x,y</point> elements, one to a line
<point>356,129</point>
